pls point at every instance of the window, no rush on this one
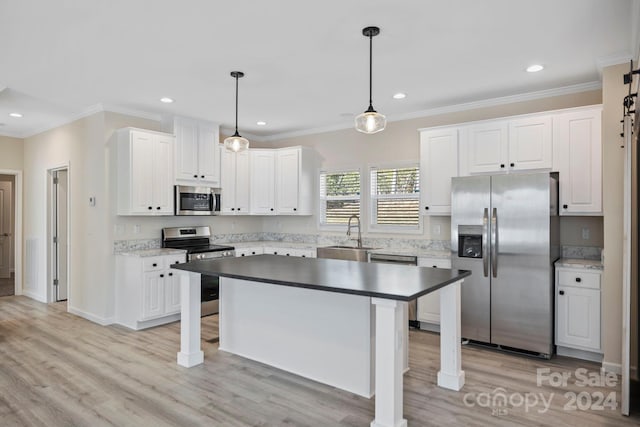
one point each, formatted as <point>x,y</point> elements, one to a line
<point>395,198</point>
<point>339,196</point>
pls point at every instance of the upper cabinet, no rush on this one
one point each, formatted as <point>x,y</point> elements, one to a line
<point>234,182</point>
<point>144,172</point>
<point>579,157</point>
<point>506,145</point>
<point>295,172</point>
<point>262,187</point>
<point>438,164</point>
<point>197,157</point>
<point>484,148</point>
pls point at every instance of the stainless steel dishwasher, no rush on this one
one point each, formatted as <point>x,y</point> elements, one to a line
<point>402,260</point>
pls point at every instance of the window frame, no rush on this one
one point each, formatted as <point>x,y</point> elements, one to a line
<point>321,200</point>
<point>371,201</point>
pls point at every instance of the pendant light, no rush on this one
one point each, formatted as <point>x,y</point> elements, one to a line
<point>370,121</point>
<point>235,142</point>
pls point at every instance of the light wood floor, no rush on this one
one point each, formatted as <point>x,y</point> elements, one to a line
<point>57,369</point>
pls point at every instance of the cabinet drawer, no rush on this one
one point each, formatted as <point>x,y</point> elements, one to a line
<point>174,259</point>
<point>579,279</point>
<point>153,263</point>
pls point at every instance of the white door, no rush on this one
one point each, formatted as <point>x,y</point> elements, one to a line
<point>162,172</point>
<point>60,228</point>
<point>485,148</point>
<point>578,320</point>
<point>242,183</point>
<point>152,295</point>
<point>438,164</point>
<point>228,181</point>
<point>262,182</point>
<point>142,201</point>
<point>209,154</point>
<point>530,144</point>
<point>186,149</point>
<point>6,229</point>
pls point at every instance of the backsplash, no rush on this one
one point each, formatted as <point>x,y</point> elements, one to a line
<point>578,252</point>
<point>582,252</point>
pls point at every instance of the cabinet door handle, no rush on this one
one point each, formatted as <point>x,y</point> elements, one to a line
<point>154,264</point>
<point>150,207</point>
<point>170,274</point>
<point>426,208</point>
<point>177,262</point>
<point>201,176</point>
<point>295,209</point>
<point>502,166</point>
<point>512,164</point>
<point>158,208</point>
<point>561,292</point>
<point>304,256</point>
<point>242,255</point>
<point>565,206</point>
<point>271,209</point>
<point>578,279</point>
<point>195,176</point>
<point>162,275</point>
<point>435,266</point>
<point>253,253</point>
<point>233,209</point>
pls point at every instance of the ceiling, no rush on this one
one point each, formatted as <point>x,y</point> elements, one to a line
<point>305,63</point>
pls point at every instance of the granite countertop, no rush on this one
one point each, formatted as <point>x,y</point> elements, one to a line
<point>153,252</point>
<point>591,264</point>
<point>389,281</point>
<point>422,253</point>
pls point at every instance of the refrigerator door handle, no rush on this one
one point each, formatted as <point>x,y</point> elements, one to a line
<point>494,243</point>
<point>485,242</point>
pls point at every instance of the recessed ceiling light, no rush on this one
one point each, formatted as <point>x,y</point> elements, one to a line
<point>534,68</point>
<point>261,123</point>
<point>166,100</point>
<point>399,95</point>
<point>18,115</point>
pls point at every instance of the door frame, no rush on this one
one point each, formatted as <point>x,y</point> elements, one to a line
<point>50,290</point>
<point>17,228</point>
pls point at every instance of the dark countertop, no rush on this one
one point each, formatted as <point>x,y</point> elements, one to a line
<point>398,282</point>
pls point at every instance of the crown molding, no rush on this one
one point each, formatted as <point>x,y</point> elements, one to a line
<point>614,59</point>
<point>491,102</point>
<point>130,112</point>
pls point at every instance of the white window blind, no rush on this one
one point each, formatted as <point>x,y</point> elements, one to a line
<point>339,196</point>
<point>395,197</point>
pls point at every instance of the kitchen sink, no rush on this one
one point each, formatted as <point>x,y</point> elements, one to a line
<point>349,253</point>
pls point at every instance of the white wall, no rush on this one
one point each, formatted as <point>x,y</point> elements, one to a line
<point>11,153</point>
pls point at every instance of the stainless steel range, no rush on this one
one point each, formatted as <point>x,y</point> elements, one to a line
<point>195,240</point>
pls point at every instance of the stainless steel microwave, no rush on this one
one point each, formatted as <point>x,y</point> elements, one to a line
<point>197,200</point>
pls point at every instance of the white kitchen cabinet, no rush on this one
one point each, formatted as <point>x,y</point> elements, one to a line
<point>294,179</point>
<point>484,148</point>
<point>507,145</point>
<point>255,250</point>
<point>144,163</point>
<point>147,290</point>
<point>579,147</point>
<point>234,182</point>
<point>530,144</point>
<point>578,309</point>
<point>197,157</point>
<point>438,164</point>
<point>429,305</point>
<point>262,187</point>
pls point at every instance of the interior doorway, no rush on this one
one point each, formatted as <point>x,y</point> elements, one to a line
<point>59,234</point>
<point>7,235</point>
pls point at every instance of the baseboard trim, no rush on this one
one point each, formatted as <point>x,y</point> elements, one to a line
<point>102,321</point>
<point>33,295</point>
<point>579,354</point>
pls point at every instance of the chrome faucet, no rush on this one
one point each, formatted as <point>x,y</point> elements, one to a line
<point>349,229</point>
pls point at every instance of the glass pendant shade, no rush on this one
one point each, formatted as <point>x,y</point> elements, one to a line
<point>370,122</point>
<point>236,143</point>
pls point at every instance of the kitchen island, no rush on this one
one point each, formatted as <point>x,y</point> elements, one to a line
<point>342,323</point>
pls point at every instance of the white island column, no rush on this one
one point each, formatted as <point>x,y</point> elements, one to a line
<point>190,353</point>
<point>451,375</point>
<point>390,357</point>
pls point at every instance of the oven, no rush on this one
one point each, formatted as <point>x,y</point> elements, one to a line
<point>195,240</point>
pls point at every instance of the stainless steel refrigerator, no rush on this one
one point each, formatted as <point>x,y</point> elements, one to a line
<point>505,229</point>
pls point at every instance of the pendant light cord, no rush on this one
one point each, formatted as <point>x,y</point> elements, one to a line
<point>370,72</point>
<point>237,104</point>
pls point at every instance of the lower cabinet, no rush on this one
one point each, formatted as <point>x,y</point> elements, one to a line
<point>578,310</point>
<point>429,305</point>
<point>147,290</point>
<point>284,251</point>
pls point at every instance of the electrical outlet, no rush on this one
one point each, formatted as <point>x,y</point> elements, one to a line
<point>136,229</point>
<point>586,233</point>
